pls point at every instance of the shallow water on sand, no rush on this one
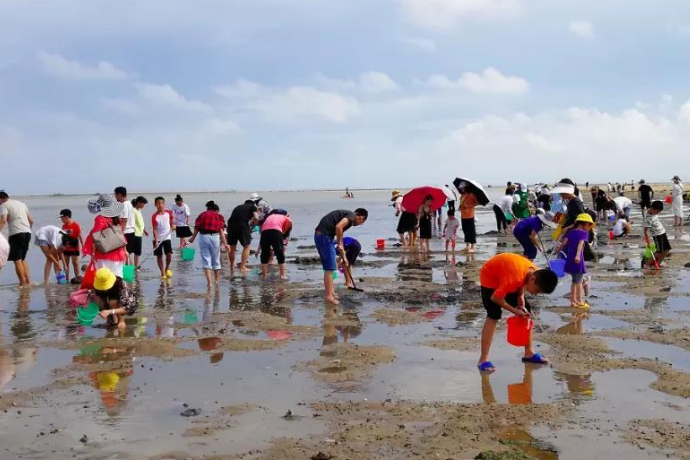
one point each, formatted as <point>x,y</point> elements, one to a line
<point>238,353</point>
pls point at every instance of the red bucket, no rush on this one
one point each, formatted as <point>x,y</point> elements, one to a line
<point>519,331</point>
<point>380,244</point>
<point>669,199</point>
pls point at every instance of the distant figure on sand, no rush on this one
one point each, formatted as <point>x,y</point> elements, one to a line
<point>240,224</point>
<point>16,216</point>
<point>646,194</point>
<point>677,206</point>
<point>450,230</point>
<point>139,228</point>
<point>654,227</point>
<point>504,280</point>
<point>332,227</point>
<point>527,232</point>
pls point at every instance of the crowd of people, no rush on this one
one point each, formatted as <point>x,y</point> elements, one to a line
<point>115,241</point>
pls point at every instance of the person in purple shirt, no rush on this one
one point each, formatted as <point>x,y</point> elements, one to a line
<point>527,232</point>
<point>574,244</point>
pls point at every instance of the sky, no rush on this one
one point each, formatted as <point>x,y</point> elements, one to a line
<point>173,95</point>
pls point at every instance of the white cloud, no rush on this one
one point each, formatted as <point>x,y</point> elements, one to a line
<point>422,44</point>
<point>582,29</point>
<point>377,82</point>
<point>123,106</point>
<point>240,89</point>
<point>303,101</point>
<point>57,65</point>
<point>221,126</point>
<point>445,14</point>
<point>490,81</point>
<point>167,96</point>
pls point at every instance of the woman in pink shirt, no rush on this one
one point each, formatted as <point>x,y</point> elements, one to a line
<point>108,210</point>
<point>274,234</point>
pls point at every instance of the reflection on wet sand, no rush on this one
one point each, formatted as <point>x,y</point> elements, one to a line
<point>518,393</point>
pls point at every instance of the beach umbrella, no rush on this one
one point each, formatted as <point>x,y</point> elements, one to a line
<point>474,187</point>
<point>415,197</point>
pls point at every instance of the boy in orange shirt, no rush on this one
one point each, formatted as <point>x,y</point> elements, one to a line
<point>504,279</point>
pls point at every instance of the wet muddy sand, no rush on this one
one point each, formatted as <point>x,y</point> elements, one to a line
<point>264,370</point>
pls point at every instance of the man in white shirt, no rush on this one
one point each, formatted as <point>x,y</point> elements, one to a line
<point>677,206</point>
<point>624,205</point>
<point>127,222</point>
<point>16,216</point>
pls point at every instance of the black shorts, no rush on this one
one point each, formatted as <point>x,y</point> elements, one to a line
<point>183,232</point>
<point>272,239</point>
<point>136,246</point>
<point>645,204</point>
<point>165,247</point>
<point>469,230</point>
<point>131,243</point>
<point>662,244</point>
<point>407,222</point>
<point>494,311</point>
<point>19,246</point>
<point>71,252</point>
<point>243,235</point>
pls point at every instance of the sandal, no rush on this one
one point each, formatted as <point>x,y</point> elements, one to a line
<point>486,366</point>
<point>535,359</point>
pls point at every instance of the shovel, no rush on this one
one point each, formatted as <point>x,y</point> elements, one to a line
<point>349,273</point>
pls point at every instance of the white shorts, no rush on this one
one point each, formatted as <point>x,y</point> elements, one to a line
<point>113,266</point>
<point>4,250</point>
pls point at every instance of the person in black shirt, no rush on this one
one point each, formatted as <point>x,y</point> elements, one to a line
<point>332,227</point>
<point>646,194</point>
<point>575,206</point>
<point>239,230</point>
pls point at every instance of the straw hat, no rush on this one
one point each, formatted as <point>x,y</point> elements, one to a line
<point>105,279</point>
<point>395,195</point>
<point>584,217</point>
<point>105,205</point>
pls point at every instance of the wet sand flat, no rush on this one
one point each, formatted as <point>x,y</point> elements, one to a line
<point>264,370</point>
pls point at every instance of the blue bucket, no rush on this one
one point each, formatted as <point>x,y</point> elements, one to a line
<point>558,267</point>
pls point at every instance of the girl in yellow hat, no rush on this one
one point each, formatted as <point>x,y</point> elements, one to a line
<point>113,297</point>
<point>574,245</point>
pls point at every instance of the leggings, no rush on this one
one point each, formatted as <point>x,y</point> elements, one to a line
<point>272,239</point>
<point>501,221</point>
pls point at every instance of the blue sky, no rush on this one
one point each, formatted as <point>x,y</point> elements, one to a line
<point>283,94</point>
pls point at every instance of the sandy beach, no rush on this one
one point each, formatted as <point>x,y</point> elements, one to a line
<point>263,370</point>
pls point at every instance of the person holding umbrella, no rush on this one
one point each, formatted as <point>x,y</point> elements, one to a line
<point>425,216</point>
<point>471,195</point>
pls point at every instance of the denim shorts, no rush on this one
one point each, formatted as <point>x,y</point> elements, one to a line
<point>577,277</point>
<point>209,249</point>
<point>326,247</point>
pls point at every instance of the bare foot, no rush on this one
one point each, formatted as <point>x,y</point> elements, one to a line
<point>284,278</point>
<point>332,300</point>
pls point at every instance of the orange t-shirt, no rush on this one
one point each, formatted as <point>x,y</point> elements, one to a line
<point>505,273</point>
<point>467,204</point>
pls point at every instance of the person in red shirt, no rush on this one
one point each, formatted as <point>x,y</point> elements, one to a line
<point>504,279</point>
<point>210,224</point>
<point>72,243</point>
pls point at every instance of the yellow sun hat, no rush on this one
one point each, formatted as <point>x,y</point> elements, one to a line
<point>584,217</point>
<point>105,279</point>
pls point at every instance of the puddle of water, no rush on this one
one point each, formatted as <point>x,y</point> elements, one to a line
<point>528,445</point>
<point>678,357</point>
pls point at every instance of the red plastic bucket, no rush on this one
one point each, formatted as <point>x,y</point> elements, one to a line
<point>519,331</point>
<point>380,244</point>
<point>669,199</point>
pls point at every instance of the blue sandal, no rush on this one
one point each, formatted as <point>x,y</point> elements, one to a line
<point>486,366</point>
<point>535,359</point>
